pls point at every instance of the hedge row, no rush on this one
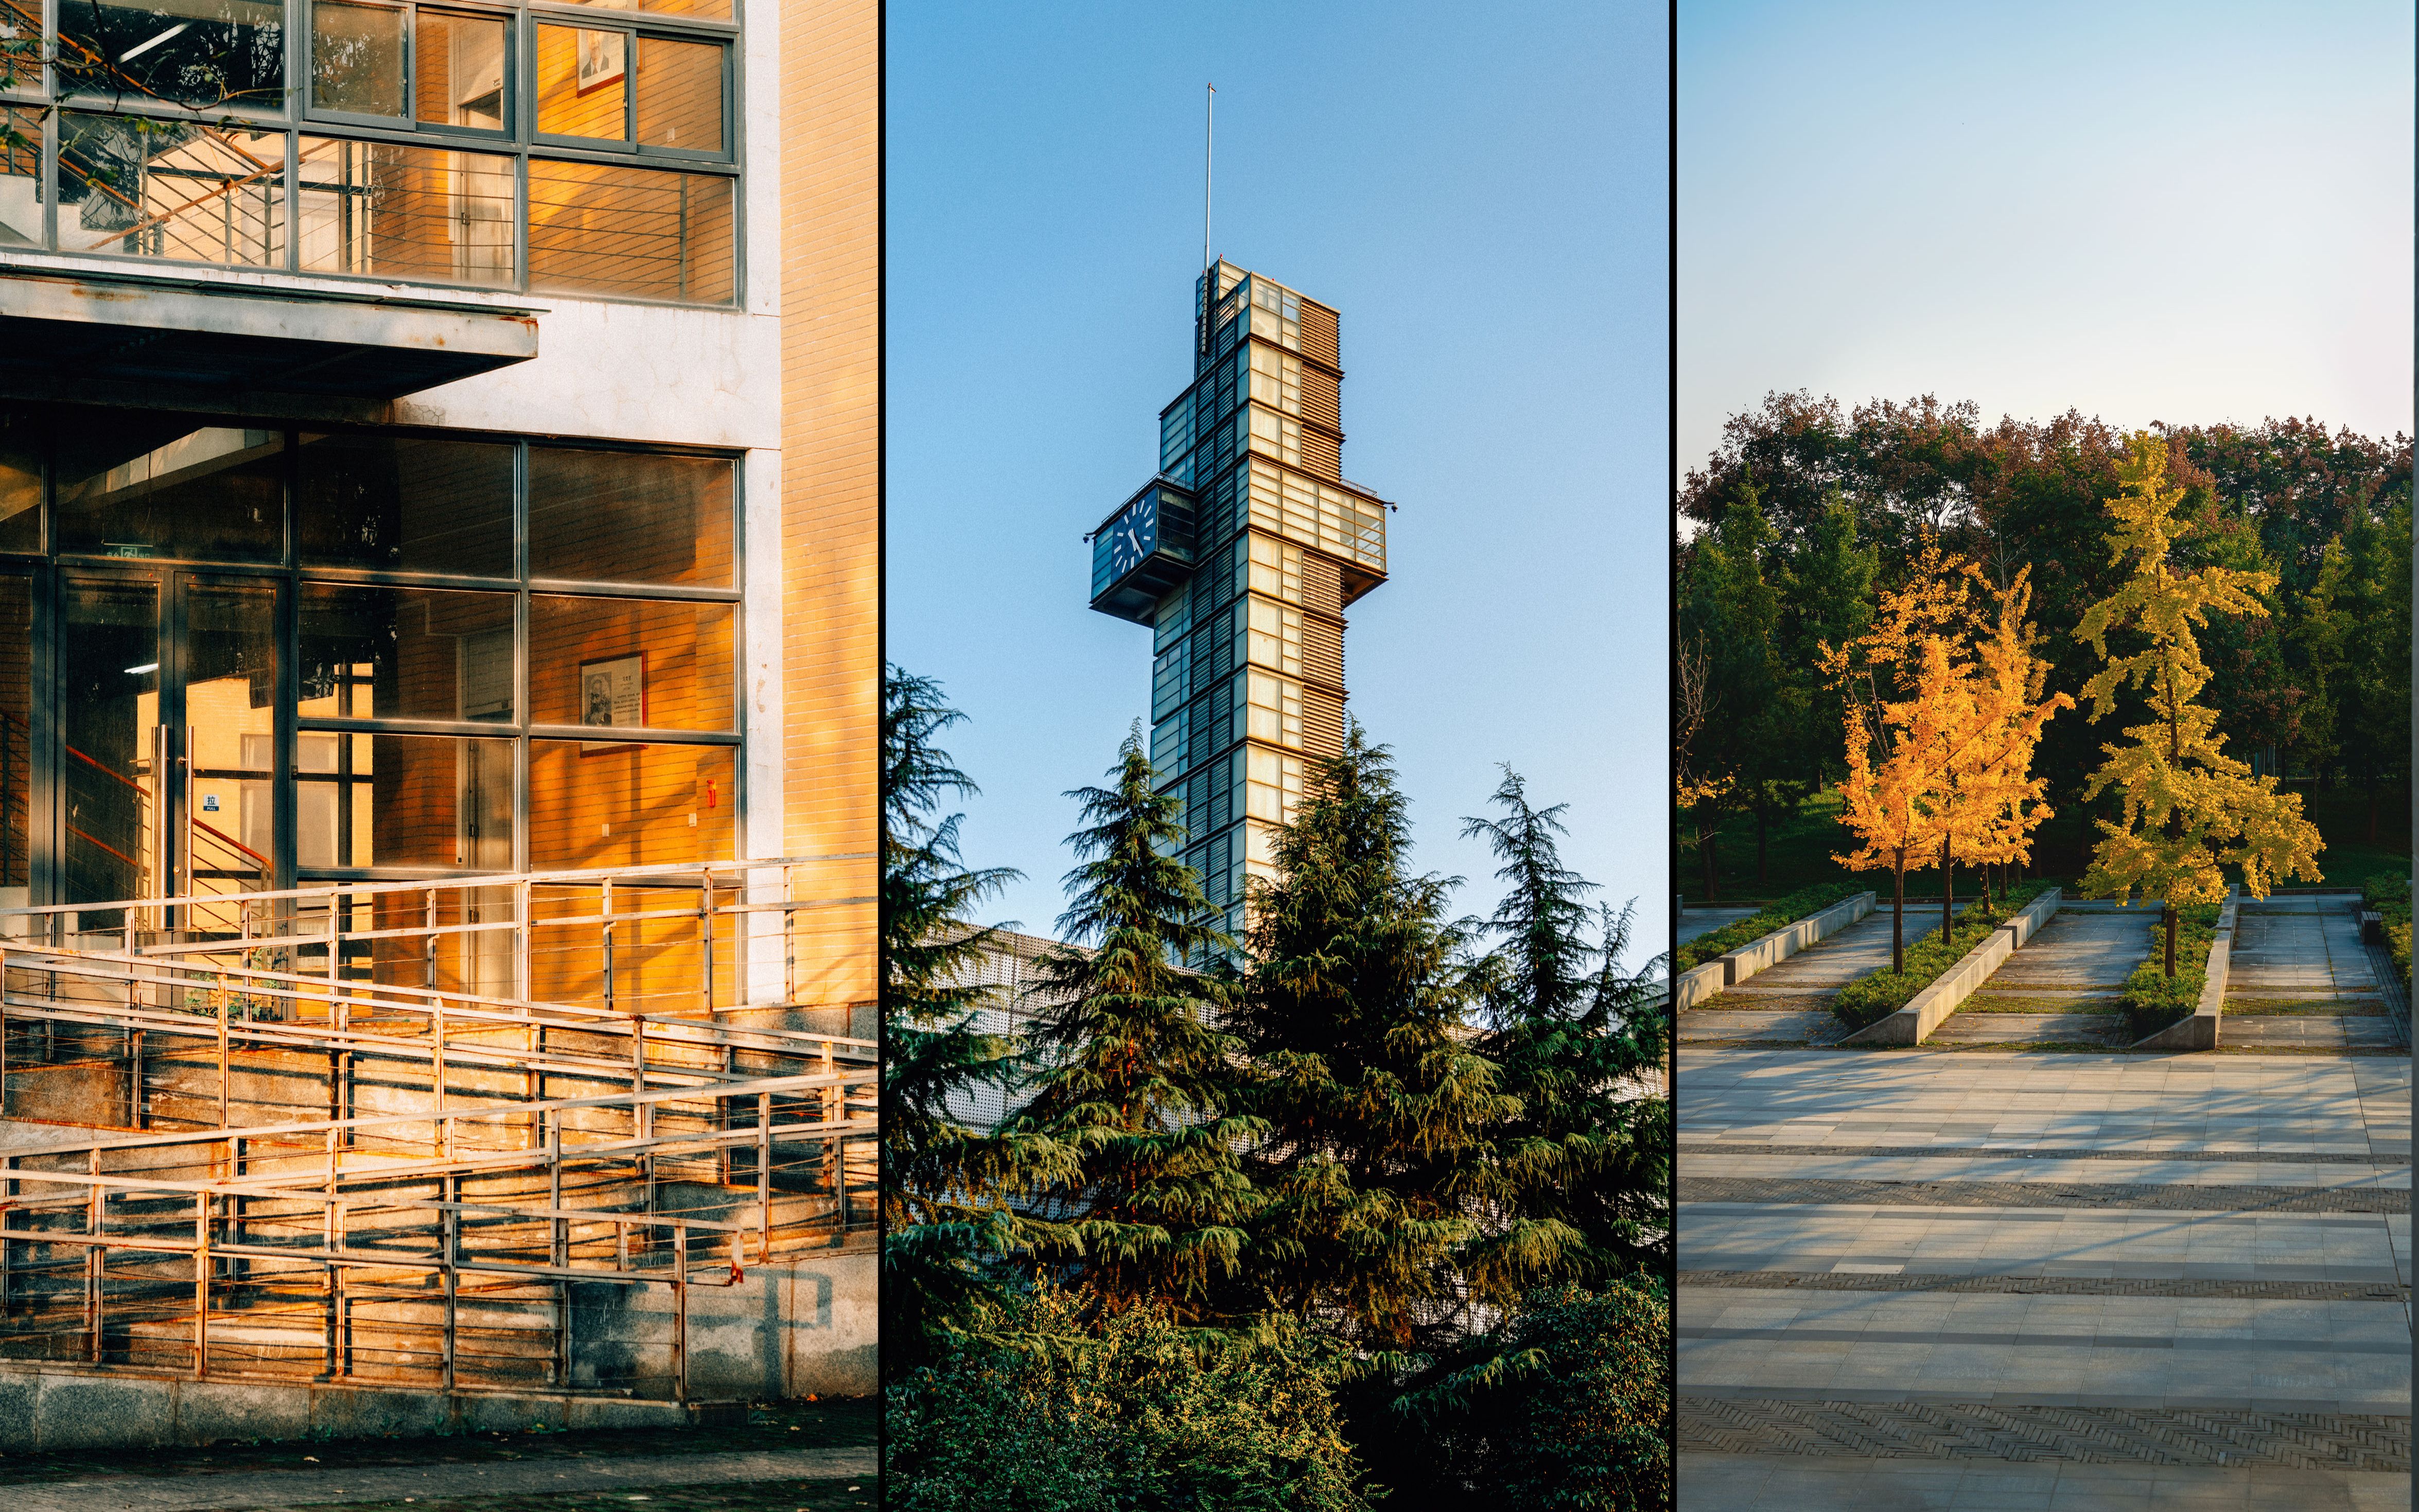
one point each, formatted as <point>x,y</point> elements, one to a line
<point>1788,911</point>
<point>2390,898</point>
<point>1870,999</point>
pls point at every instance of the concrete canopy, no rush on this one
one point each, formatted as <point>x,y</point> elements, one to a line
<point>62,333</point>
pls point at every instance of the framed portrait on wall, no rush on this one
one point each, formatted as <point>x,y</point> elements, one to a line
<point>613,696</point>
<point>604,58</point>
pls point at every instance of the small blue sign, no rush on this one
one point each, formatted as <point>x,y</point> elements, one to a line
<point>210,803</point>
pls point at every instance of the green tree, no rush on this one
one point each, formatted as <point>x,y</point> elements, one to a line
<point>1063,1409</point>
<point>1827,600</point>
<point>1136,1077</point>
<point>1579,1043</point>
<point>1380,1117</point>
<point>2188,811</point>
<point>2372,603</point>
<point>1732,608</point>
<point>946,1186</point>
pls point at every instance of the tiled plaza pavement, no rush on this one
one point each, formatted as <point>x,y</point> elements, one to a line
<point>1942,1280</point>
<point>1790,1003</point>
<point>2301,979</point>
<point>2063,986</point>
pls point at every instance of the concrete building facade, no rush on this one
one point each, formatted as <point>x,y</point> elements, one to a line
<point>439,488</point>
<point>437,439</point>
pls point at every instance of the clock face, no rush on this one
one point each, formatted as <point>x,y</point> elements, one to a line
<point>1133,535</point>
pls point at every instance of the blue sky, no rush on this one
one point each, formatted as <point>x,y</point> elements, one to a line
<point>2150,211</point>
<point>1485,203</point>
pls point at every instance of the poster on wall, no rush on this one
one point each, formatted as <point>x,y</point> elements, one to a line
<point>603,59</point>
<point>613,696</point>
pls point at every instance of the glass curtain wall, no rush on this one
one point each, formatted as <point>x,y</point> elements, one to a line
<point>549,145</point>
<point>282,655</point>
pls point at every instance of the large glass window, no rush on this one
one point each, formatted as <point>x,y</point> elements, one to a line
<point>187,141</point>
<point>599,227</point>
<point>209,55</point>
<point>630,663</point>
<point>407,504</point>
<point>356,654</point>
<point>595,804</point>
<point>395,211</point>
<point>610,516</point>
<point>371,652</point>
<point>146,485</point>
<point>170,189</point>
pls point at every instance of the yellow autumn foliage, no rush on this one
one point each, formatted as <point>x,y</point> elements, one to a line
<point>2188,811</point>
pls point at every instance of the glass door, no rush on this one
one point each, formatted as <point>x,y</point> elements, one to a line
<point>167,737</point>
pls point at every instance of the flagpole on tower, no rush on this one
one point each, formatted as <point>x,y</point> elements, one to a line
<point>1209,143</point>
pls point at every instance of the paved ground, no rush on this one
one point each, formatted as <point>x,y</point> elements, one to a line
<point>1790,1003</point>
<point>2062,988</point>
<point>2302,947</point>
<point>1942,1280</point>
<point>600,1478</point>
<point>2302,980</point>
<point>795,1457</point>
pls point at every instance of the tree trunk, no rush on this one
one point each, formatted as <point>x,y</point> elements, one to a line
<point>1898,919</point>
<point>1705,832</point>
<point>1947,891</point>
<point>2171,939</point>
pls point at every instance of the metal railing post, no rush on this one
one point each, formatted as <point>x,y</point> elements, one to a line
<point>705,934</point>
<point>763,1177</point>
<point>449,1228</point>
<point>606,889</point>
<point>680,1312</point>
<point>96,1264</point>
<point>201,1285</point>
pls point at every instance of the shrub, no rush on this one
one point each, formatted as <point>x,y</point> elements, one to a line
<point>1563,1407</point>
<point>1868,1000</point>
<point>1058,1410</point>
<point>2152,998</point>
<point>1788,911</point>
<point>2390,899</point>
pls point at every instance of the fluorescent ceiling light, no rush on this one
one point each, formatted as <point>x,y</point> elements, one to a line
<point>141,48</point>
<point>146,666</point>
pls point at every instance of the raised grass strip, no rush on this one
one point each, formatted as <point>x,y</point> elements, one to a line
<point>2152,998</point>
<point>1868,1000</point>
<point>1803,903</point>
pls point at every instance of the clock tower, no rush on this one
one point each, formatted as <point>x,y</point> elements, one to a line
<point>1242,556</point>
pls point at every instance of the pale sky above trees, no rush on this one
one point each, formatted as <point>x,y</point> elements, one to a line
<point>2174,211</point>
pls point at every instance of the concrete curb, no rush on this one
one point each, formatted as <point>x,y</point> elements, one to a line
<point>1926,1011</point>
<point>49,1407</point>
<point>1727,971</point>
<point>2200,1033</point>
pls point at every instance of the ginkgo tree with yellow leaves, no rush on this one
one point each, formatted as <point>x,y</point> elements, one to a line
<point>2189,811</point>
<point>1944,770</point>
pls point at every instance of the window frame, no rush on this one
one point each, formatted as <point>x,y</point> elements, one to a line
<point>48,565</point>
<point>40,92</point>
